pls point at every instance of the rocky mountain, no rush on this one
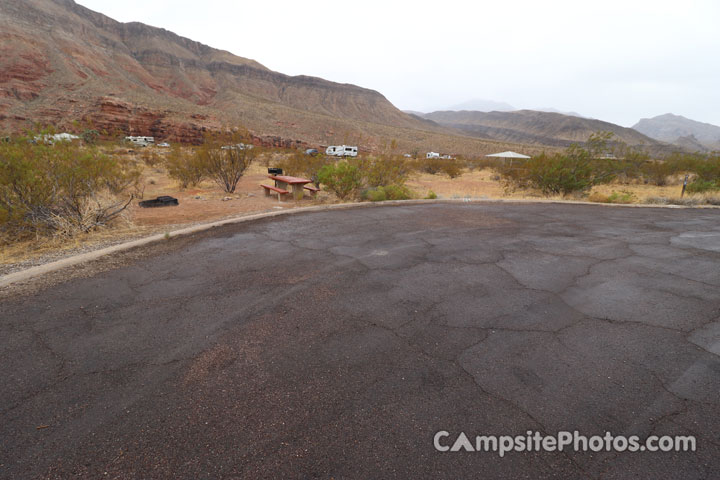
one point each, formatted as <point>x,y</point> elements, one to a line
<point>681,131</point>
<point>62,63</point>
<point>534,127</point>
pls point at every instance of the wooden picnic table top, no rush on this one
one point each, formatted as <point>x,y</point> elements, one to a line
<point>289,180</point>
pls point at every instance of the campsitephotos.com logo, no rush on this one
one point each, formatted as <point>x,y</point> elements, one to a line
<point>534,441</point>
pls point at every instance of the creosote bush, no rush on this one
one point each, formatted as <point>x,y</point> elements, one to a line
<point>61,189</point>
<point>344,179</point>
<point>376,178</point>
<point>390,192</point>
<point>185,168</point>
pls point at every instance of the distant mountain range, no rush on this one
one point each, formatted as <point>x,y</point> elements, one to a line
<point>534,127</point>
<point>65,65</point>
<point>681,131</point>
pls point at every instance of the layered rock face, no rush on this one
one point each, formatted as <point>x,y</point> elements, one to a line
<point>63,64</point>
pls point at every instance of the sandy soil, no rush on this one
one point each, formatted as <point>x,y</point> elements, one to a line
<point>207,202</point>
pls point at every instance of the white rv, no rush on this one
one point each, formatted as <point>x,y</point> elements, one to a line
<point>432,155</point>
<point>342,151</point>
<point>237,146</point>
<point>141,141</point>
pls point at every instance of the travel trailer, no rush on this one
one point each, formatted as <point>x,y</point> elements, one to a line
<point>342,151</point>
<point>141,141</point>
<point>237,146</point>
<point>432,155</point>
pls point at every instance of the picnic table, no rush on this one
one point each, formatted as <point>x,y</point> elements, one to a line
<point>285,181</point>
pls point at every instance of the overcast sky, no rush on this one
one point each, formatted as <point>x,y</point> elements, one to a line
<point>616,60</point>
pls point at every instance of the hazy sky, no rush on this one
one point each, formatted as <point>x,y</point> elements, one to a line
<point>614,60</point>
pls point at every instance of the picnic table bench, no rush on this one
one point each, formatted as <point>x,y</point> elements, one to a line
<point>281,194</point>
<point>311,189</point>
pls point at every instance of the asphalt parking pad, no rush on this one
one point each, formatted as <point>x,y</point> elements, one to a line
<point>336,344</point>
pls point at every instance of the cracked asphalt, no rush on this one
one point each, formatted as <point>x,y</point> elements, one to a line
<point>335,344</point>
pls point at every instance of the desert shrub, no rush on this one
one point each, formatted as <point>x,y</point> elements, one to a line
<point>451,168</point>
<point>431,195</point>
<point>622,196</point>
<point>429,165</point>
<point>708,175</point>
<point>90,136</point>
<point>434,166</point>
<point>555,174</point>
<point>384,170</point>
<point>657,172</point>
<point>699,186</point>
<point>374,194</point>
<point>61,188</point>
<point>575,170</point>
<point>630,163</point>
<point>389,192</point>
<point>223,157</point>
<point>343,179</point>
<point>685,201</point>
<point>150,158</point>
<point>397,192</point>
<point>187,170</point>
<point>598,197</point>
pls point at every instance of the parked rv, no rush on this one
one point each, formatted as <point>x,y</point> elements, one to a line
<point>58,137</point>
<point>140,141</point>
<point>432,155</point>
<point>237,146</point>
<point>342,151</point>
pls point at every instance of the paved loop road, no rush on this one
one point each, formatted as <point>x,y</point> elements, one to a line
<point>335,344</point>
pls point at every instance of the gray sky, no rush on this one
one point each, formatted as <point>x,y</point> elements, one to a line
<point>616,60</point>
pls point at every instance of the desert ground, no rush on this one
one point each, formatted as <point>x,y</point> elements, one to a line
<point>336,344</point>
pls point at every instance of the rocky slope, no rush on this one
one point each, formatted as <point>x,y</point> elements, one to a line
<point>62,63</point>
<point>534,127</point>
<point>681,131</point>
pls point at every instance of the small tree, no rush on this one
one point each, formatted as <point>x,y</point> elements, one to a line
<point>225,158</point>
